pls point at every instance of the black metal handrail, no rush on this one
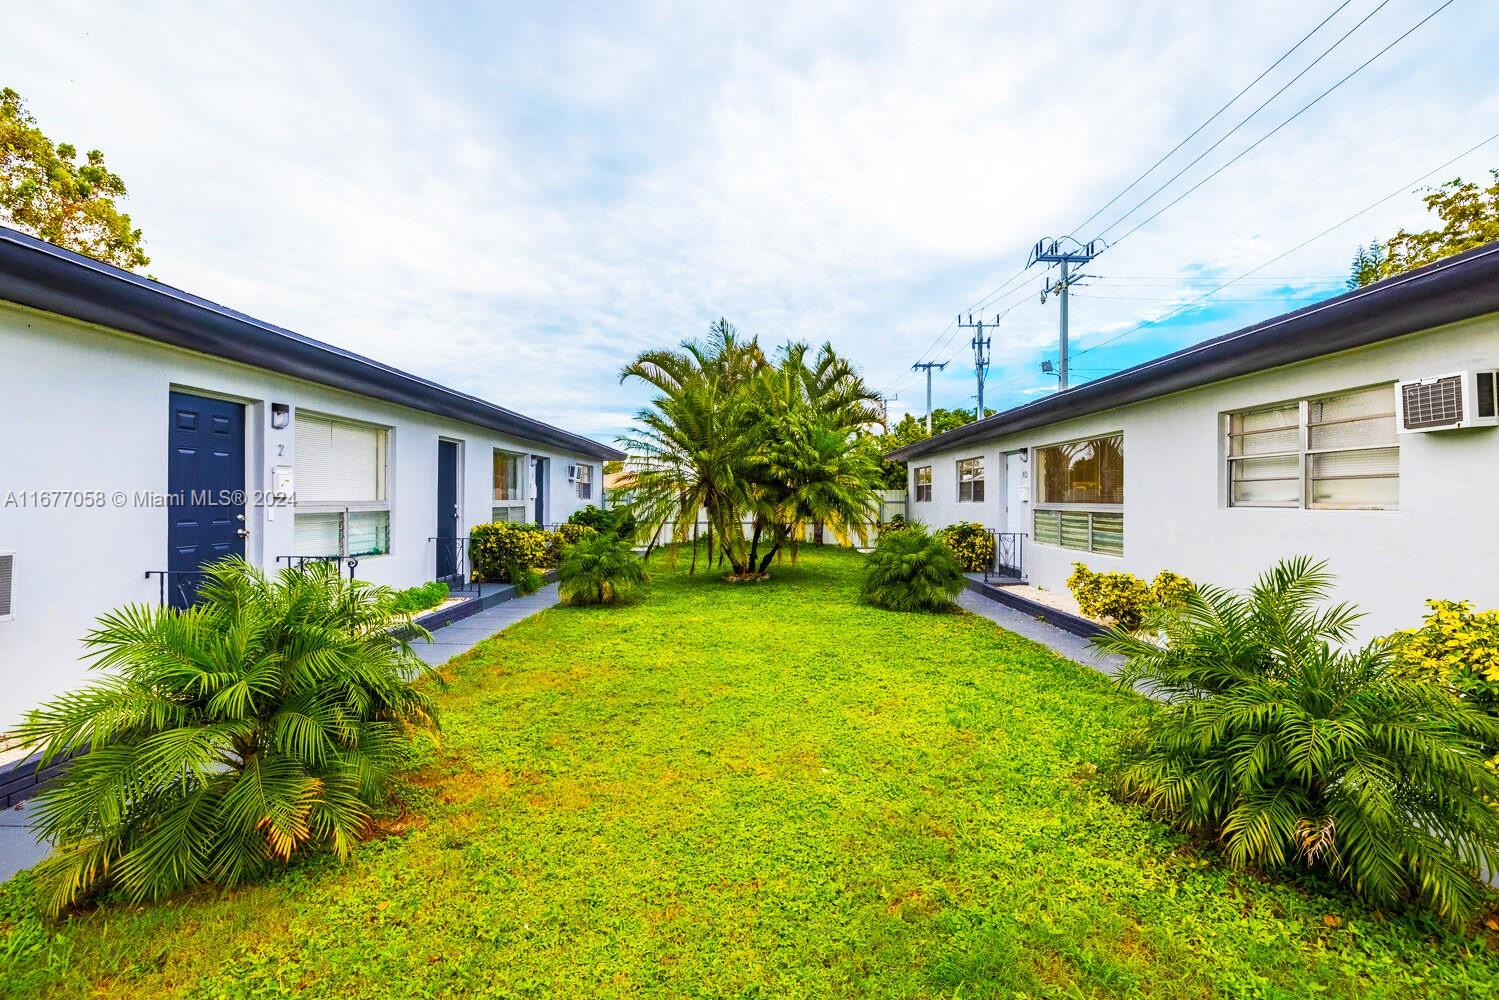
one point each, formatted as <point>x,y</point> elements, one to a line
<point>178,583</point>
<point>300,562</point>
<point>461,578</point>
<point>1009,556</point>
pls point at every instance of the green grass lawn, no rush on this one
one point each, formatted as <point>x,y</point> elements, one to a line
<point>756,790</point>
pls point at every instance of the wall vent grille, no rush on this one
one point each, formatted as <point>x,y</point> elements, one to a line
<point>7,583</point>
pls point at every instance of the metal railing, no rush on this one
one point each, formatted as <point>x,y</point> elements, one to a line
<point>451,554</point>
<point>1009,556</point>
<point>177,587</point>
<point>300,562</point>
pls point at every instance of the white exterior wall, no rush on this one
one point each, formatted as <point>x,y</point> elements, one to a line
<point>86,409</point>
<point>1442,542</point>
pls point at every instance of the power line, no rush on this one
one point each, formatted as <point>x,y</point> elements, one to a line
<point>1245,120</point>
<point>1240,155</point>
<point>1214,117</point>
<point>995,295</point>
<point>1402,189</point>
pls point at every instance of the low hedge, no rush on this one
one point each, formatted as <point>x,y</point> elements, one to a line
<point>971,543</point>
<point>495,549</point>
<point>1123,598</point>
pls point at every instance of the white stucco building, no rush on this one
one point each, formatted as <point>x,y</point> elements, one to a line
<point>1288,437</point>
<point>148,431</point>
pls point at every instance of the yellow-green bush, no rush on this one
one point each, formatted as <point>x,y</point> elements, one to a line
<point>1124,598</point>
<point>1170,589</point>
<point>1457,648</point>
<point>971,543</point>
<point>560,539</point>
<point>497,549</point>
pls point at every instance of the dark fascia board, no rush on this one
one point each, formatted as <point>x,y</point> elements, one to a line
<point>1457,288</point>
<point>42,276</point>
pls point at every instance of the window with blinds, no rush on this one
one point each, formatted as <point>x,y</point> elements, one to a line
<point>971,480</point>
<point>1081,495</point>
<point>1337,452</point>
<point>509,503</point>
<point>923,484</point>
<point>342,505</point>
<point>584,482</point>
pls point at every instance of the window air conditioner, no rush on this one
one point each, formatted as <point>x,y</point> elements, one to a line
<point>572,473</point>
<point>1447,402</point>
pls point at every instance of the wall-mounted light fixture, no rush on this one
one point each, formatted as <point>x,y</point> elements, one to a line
<point>280,416</point>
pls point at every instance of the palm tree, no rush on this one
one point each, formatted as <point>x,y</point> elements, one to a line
<point>263,722</point>
<point>1296,751</point>
<point>745,439</point>
<point>695,438</point>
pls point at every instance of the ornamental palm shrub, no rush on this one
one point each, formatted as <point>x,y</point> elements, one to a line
<point>912,570</point>
<point>600,569</point>
<point>1297,751</point>
<point>263,723</point>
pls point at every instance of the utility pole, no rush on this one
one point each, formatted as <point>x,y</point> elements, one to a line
<point>980,345</point>
<point>929,365</point>
<point>1066,252</point>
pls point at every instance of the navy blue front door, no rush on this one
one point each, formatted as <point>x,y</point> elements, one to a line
<point>539,484</point>
<point>447,510</point>
<point>206,480</point>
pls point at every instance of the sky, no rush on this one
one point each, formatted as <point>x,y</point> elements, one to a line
<point>516,199</point>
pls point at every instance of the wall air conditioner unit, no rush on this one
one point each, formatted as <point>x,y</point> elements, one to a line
<point>572,473</point>
<point>1447,402</point>
<point>7,585</point>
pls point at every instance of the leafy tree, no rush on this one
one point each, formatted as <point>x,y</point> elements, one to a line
<point>264,722</point>
<point>912,570</point>
<point>910,429</point>
<point>1470,218</point>
<point>1296,751</point>
<point>600,569</point>
<point>45,191</point>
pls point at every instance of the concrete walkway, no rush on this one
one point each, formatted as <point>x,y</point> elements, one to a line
<point>1062,643</point>
<point>19,848</point>
<point>462,636</point>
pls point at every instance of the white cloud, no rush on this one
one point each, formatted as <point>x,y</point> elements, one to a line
<point>515,201</point>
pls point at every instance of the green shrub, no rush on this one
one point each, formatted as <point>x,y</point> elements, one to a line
<point>1456,648</point>
<point>617,520</point>
<point>495,548</point>
<point>894,525</point>
<point>527,579</point>
<point>1170,590</point>
<point>971,543</point>
<point>1124,599</point>
<point>263,723</point>
<point>416,599</point>
<point>1298,752</point>
<point>911,570</point>
<point>560,539</point>
<point>599,569</point>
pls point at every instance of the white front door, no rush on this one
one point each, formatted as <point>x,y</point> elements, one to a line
<point>1017,492</point>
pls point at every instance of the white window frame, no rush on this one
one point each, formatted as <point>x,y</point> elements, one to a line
<point>583,484</point>
<point>348,508</point>
<point>1304,452</point>
<point>917,485</point>
<point>970,483</point>
<point>515,503</point>
<point>1041,506</point>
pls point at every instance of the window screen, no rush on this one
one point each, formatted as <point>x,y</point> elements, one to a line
<point>1336,452</point>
